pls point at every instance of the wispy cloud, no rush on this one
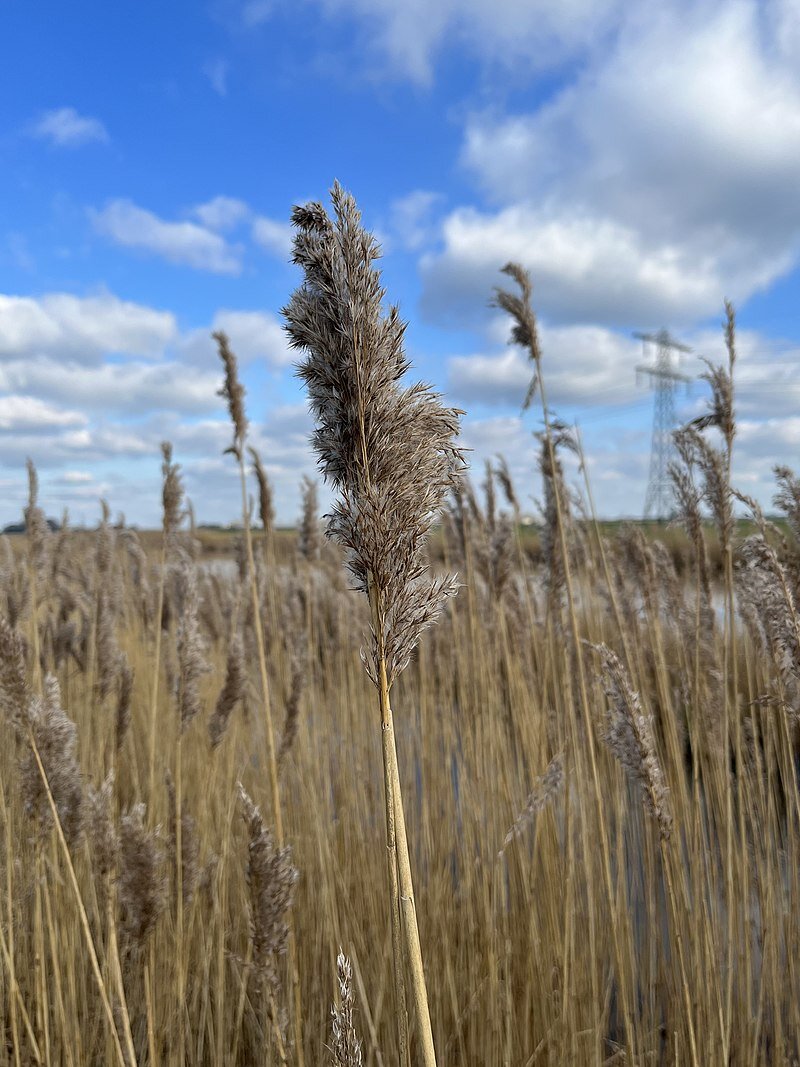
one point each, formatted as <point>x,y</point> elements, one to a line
<point>216,70</point>
<point>254,12</point>
<point>183,243</point>
<point>66,128</point>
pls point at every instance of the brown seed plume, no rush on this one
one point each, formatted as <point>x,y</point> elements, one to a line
<point>266,509</point>
<point>346,1046</point>
<point>271,880</point>
<point>233,392</point>
<point>171,495</point>
<point>142,882</point>
<point>232,692</point>
<point>628,732</point>
<point>308,540</point>
<point>389,450</point>
<point>543,792</point>
<point>56,739</point>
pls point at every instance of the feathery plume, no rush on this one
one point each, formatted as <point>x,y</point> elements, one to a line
<point>56,739</point>
<point>503,475</point>
<point>100,829</point>
<point>544,790</point>
<point>524,331</point>
<point>191,650</point>
<point>628,733</point>
<point>13,682</point>
<point>142,881</point>
<point>233,392</point>
<point>35,522</point>
<point>266,508</point>
<point>231,693</point>
<point>390,451</point>
<point>308,540</point>
<point>124,694</point>
<point>171,494</point>
<point>292,707</point>
<point>271,880</point>
<point>104,544</point>
<point>346,1047</point>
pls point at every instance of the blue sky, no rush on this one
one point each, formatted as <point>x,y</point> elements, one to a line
<point>642,162</point>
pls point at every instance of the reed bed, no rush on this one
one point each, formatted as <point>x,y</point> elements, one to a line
<point>597,755</point>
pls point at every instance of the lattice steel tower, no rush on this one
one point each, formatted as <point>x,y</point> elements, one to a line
<point>664,377</point>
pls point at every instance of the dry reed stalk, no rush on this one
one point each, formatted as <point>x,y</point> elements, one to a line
<point>84,919</point>
<point>271,881</point>
<point>38,536</point>
<point>391,454</point>
<point>172,504</point>
<point>629,736</point>
<point>8,948</point>
<point>233,392</point>
<point>716,468</point>
<point>524,332</point>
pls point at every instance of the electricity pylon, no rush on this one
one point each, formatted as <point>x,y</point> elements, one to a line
<point>664,378</point>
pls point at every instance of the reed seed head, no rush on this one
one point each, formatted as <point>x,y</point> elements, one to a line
<point>389,450</point>
<point>628,733</point>
<point>233,392</point>
<point>346,1046</point>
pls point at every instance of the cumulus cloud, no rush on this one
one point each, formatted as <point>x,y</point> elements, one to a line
<point>585,269</point>
<point>19,413</point>
<point>584,365</point>
<point>688,122</point>
<point>254,335</point>
<point>658,180</point>
<point>66,128</point>
<point>84,328</point>
<point>129,388</point>
<point>223,213</point>
<point>183,243</point>
<point>274,237</point>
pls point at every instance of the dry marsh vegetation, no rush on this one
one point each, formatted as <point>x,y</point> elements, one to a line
<point>344,806</point>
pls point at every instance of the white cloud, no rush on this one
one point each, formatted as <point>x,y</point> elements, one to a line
<point>26,413</point>
<point>84,328</point>
<point>66,128</point>
<point>130,388</point>
<point>584,268</point>
<point>662,178</point>
<point>411,218</point>
<point>184,243</point>
<point>274,237</point>
<point>582,365</point>
<point>222,213</point>
<point>254,335</point>
<point>689,121</point>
